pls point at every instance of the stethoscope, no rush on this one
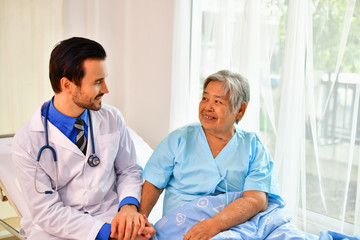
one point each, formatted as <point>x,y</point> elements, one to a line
<point>93,160</point>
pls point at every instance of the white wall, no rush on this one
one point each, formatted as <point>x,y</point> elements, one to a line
<point>147,53</point>
<point>137,36</point>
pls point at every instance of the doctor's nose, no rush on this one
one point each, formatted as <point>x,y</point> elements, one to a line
<point>104,88</point>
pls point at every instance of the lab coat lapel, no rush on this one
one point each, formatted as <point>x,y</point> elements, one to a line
<point>57,138</point>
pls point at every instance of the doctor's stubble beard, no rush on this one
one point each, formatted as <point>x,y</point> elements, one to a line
<point>87,103</point>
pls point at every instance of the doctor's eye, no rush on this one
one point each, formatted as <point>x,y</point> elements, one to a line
<point>99,81</point>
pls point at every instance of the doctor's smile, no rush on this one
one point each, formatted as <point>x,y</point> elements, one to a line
<point>99,97</point>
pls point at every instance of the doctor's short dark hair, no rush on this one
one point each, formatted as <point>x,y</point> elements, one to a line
<point>67,59</point>
<point>235,84</point>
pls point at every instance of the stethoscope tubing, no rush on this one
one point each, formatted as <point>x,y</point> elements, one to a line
<point>47,146</point>
<point>93,160</point>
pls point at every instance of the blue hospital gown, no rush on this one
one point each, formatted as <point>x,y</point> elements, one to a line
<point>184,165</point>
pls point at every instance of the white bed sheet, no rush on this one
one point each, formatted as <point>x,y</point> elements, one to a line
<point>8,177</point>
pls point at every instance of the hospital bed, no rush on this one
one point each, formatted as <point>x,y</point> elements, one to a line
<point>10,189</point>
<point>9,185</point>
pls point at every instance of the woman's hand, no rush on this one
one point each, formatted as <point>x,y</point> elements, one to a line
<point>148,231</point>
<point>203,230</point>
<point>237,212</point>
<point>129,224</point>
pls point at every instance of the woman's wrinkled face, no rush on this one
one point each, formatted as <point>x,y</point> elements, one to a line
<point>215,111</point>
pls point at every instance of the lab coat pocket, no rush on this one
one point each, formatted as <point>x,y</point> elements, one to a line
<point>107,147</point>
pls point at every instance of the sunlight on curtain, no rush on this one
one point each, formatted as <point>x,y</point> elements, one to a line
<point>302,59</point>
<point>28,32</point>
<point>290,150</point>
<point>180,110</point>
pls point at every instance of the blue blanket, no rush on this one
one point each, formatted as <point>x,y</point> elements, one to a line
<point>274,223</point>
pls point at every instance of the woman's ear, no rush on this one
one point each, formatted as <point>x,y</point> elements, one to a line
<point>241,111</point>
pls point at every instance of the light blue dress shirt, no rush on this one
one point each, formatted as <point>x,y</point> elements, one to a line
<point>184,165</point>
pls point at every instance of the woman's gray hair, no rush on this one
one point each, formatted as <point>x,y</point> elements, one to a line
<point>236,85</point>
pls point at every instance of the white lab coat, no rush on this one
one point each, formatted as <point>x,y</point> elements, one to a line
<point>87,196</point>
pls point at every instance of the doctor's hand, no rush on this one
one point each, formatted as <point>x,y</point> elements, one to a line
<point>128,224</point>
<point>203,230</point>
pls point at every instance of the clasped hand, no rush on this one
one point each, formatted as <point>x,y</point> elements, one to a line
<point>129,224</point>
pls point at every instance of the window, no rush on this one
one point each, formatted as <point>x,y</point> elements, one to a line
<point>302,59</point>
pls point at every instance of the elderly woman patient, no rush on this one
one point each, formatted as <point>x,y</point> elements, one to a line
<point>210,158</point>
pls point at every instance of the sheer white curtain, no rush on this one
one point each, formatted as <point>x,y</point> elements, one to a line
<point>290,147</point>
<point>302,62</point>
<point>28,32</point>
<point>180,111</point>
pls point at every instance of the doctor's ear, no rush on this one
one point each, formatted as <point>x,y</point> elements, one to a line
<point>65,84</point>
<point>241,111</point>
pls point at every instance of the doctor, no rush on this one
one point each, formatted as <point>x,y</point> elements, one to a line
<point>75,159</point>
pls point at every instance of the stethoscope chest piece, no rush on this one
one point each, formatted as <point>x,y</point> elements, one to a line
<point>93,160</point>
